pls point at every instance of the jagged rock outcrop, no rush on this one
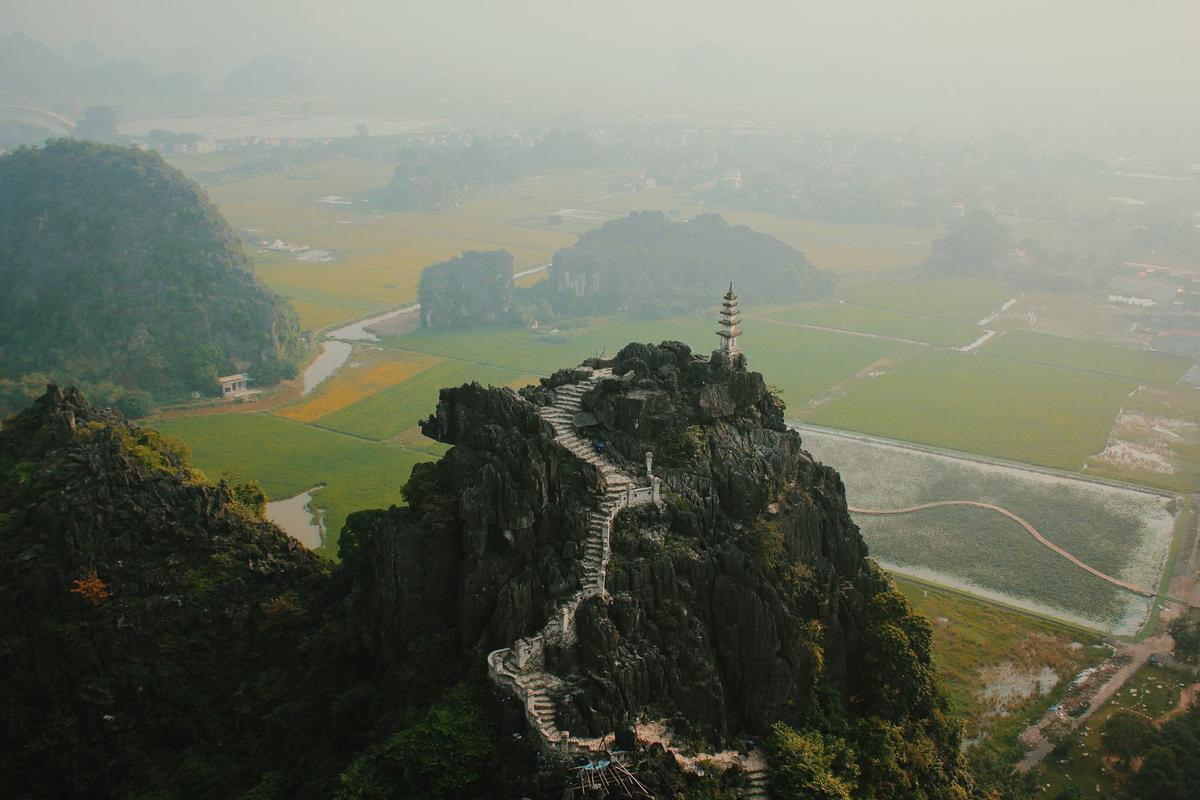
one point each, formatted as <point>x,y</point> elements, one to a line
<point>731,594</point>
<point>744,599</point>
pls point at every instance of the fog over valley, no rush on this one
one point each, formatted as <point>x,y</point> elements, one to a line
<point>542,400</point>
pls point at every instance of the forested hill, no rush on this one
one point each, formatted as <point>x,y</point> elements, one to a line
<point>115,267</point>
<point>649,266</point>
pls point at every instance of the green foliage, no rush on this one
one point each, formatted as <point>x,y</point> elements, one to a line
<point>681,446</point>
<point>1185,631</point>
<point>651,267</point>
<point>119,269</point>
<point>767,544</point>
<point>975,246</point>
<point>1126,735</point>
<point>441,755</point>
<point>897,647</point>
<point>474,289</point>
<point>251,497</point>
<point>806,765</point>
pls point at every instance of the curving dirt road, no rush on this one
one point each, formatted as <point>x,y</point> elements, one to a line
<point>1020,521</point>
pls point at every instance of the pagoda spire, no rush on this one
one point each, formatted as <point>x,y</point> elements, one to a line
<point>727,344</point>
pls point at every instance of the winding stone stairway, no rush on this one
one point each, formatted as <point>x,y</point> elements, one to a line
<point>521,667</point>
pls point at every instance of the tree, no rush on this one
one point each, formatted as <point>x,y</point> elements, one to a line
<point>439,756</point>
<point>975,245</point>
<point>807,766</point>
<point>91,588</point>
<point>1185,631</point>
<point>1127,735</point>
<point>99,123</point>
<point>1069,792</point>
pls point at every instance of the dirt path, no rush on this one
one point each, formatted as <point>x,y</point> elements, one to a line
<point>1138,655</point>
<point>1186,696</point>
<point>291,391</point>
<point>1020,521</point>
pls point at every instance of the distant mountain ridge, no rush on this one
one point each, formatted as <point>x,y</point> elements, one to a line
<point>31,69</point>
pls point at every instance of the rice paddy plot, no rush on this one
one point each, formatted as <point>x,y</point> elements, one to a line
<point>287,458</point>
<point>845,248</point>
<point>1123,532</point>
<point>369,370</point>
<point>1138,365</point>
<point>881,322</point>
<point>396,409</point>
<point>1155,440</point>
<point>965,299</point>
<point>996,407</point>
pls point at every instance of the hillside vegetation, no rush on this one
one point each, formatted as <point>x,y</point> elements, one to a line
<point>649,266</point>
<point>115,267</point>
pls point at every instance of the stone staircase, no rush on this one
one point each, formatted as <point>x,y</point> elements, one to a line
<point>521,667</point>
<point>756,777</point>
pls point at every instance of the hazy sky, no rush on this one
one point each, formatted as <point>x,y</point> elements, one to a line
<point>1059,59</point>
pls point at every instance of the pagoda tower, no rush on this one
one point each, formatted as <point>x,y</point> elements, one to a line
<point>729,333</point>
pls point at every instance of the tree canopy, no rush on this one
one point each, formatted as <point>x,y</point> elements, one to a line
<point>115,267</point>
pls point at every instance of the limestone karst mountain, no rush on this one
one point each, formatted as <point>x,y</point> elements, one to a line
<point>633,562</point>
<point>115,267</point>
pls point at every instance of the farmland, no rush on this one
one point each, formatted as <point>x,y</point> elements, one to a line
<point>991,657</point>
<point>1138,365</point>
<point>287,457</point>
<point>368,371</point>
<point>964,299</point>
<point>1155,440</point>
<point>991,406</point>
<point>393,410</point>
<point>1152,692</point>
<point>881,322</point>
<point>854,251</point>
<point>1121,532</point>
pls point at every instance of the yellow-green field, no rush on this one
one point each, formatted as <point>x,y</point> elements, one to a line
<point>379,254</point>
<point>852,251</point>
<point>1155,440</point>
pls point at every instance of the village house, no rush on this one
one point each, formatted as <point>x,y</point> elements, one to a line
<point>234,387</point>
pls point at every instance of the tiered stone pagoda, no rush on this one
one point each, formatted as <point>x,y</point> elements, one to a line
<point>727,345</point>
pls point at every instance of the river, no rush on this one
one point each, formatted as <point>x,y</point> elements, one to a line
<point>298,519</point>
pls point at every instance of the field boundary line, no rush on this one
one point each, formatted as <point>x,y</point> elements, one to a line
<point>963,455</point>
<point>827,329</point>
<point>1032,531</point>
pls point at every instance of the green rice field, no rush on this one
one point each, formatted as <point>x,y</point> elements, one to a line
<point>287,457</point>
